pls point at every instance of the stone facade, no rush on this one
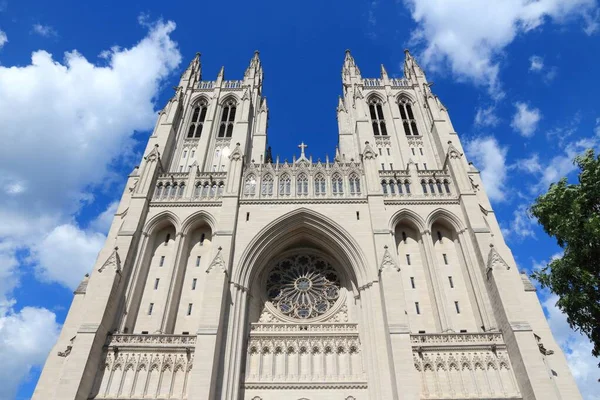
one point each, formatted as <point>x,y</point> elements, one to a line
<point>379,274</point>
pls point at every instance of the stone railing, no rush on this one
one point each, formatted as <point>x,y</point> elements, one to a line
<point>206,85</point>
<point>172,187</point>
<point>397,184</point>
<point>145,341</point>
<point>376,82</point>
<point>303,180</point>
<point>145,366</point>
<point>232,84</point>
<point>464,366</point>
<point>299,329</point>
<point>486,339</point>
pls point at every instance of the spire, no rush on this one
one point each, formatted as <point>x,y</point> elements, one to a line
<point>263,105</point>
<point>255,67</point>
<point>221,76</point>
<point>350,69</point>
<point>192,72</point>
<point>341,107</point>
<point>411,68</point>
<point>384,75</point>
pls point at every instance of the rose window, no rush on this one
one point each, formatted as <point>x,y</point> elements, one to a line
<point>303,286</point>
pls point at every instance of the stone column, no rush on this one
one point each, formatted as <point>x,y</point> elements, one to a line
<point>476,275</point>
<point>438,293</point>
<point>398,326</point>
<point>174,294</point>
<point>203,384</point>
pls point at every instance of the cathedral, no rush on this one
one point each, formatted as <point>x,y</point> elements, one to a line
<point>379,274</point>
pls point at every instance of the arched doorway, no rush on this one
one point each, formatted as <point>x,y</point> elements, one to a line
<point>304,317</point>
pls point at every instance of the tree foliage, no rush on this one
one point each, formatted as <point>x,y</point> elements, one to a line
<point>571,214</point>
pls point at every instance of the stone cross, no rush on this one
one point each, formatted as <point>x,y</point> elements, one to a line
<point>302,147</point>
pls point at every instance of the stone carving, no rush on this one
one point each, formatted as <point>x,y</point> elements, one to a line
<point>368,152</point>
<point>387,261</point>
<point>217,263</point>
<point>495,261</point>
<point>113,261</point>
<point>303,286</point>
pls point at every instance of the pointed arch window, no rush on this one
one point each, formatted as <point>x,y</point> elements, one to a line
<point>408,118</point>
<point>302,185</point>
<point>267,185</point>
<point>198,117</point>
<point>447,186</point>
<point>220,189</point>
<point>384,187</point>
<point>392,187</point>
<point>205,189</point>
<point>337,185</point>
<point>158,191</point>
<point>319,185</point>
<point>431,187</point>
<point>407,186</point>
<point>181,190</point>
<point>439,186</point>
<point>285,185</point>
<point>354,184</point>
<point>198,190</point>
<point>424,186</point>
<point>227,119</point>
<point>250,186</point>
<point>377,118</point>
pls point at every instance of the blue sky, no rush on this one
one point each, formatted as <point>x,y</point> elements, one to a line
<point>80,84</point>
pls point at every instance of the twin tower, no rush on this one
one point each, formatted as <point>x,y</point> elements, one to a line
<point>380,274</point>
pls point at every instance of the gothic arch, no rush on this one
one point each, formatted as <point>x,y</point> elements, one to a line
<point>405,95</point>
<point>301,225</point>
<point>230,96</point>
<point>406,214</point>
<point>375,95</point>
<point>197,99</point>
<point>444,216</point>
<point>197,219</point>
<point>159,221</point>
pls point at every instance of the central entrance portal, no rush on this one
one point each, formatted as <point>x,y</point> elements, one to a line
<point>304,339</point>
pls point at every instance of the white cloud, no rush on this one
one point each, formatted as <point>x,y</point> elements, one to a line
<point>64,147</point>
<point>531,165</point>
<point>521,226</point>
<point>26,337</point>
<point>560,165</point>
<point>3,38</point>
<point>67,121</point>
<point>490,158</point>
<point>536,63</point>
<point>44,30</point>
<point>486,117</point>
<point>577,349</point>
<point>526,119</point>
<point>66,254</point>
<point>102,222</point>
<point>467,37</point>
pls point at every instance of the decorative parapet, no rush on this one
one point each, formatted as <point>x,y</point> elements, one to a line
<point>324,329</point>
<point>133,341</point>
<point>460,365</point>
<point>429,184</point>
<point>447,341</point>
<point>171,187</point>
<point>378,83</point>
<point>206,85</point>
<point>303,179</point>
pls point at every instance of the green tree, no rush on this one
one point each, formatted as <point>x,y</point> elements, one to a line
<point>571,214</point>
